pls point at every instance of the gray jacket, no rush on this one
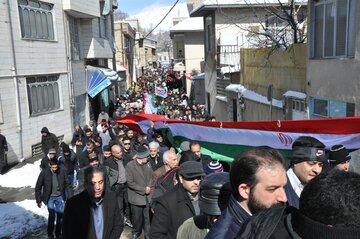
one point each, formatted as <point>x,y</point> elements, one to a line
<point>138,178</point>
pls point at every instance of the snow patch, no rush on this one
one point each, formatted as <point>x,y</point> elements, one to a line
<point>20,218</point>
<point>295,94</point>
<point>251,95</point>
<point>21,177</point>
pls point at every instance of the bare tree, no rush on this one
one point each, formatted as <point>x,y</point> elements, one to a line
<point>120,15</point>
<point>279,24</point>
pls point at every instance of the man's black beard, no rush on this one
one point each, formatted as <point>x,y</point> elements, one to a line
<point>255,206</point>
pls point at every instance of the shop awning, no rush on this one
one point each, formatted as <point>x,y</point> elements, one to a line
<point>98,79</point>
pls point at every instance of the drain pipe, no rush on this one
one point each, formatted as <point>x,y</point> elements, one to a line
<point>16,84</point>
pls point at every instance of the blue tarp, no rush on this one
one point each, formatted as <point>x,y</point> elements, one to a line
<point>98,79</point>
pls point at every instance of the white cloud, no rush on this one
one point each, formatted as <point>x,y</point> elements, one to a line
<point>151,15</point>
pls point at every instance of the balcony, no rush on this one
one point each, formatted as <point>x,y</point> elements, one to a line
<point>82,8</point>
<point>98,48</point>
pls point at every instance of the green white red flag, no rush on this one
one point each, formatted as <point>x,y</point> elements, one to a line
<point>225,140</point>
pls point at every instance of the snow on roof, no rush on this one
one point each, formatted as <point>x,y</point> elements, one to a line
<point>295,94</point>
<point>251,95</point>
<point>210,4</point>
<point>222,98</point>
<point>189,24</point>
<point>230,69</point>
<point>247,2</point>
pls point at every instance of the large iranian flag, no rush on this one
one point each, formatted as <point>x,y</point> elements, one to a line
<point>224,140</point>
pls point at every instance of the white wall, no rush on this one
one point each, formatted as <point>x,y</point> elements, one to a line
<point>89,7</point>
<point>194,51</point>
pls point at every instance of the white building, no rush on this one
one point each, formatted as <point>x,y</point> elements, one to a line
<point>229,25</point>
<point>44,47</point>
<point>188,43</point>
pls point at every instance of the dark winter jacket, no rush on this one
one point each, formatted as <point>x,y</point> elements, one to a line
<point>156,162</point>
<point>78,221</point>
<point>113,169</point>
<point>3,144</point>
<point>229,223</point>
<point>49,141</point>
<point>274,223</point>
<point>172,209</point>
<point>43,185</point>
<point>69,163</point>
<point>292,197</point>
<point>44,164</point>
<point>281,222</point>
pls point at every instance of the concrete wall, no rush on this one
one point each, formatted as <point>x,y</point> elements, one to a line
<point>338,78</point>
<point>89,7</point>
<point>92,46</point>
<point>33,57</point>
<point>286,70</point>
<point>194,51</point>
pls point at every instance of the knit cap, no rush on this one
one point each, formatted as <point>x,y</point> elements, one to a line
<point>214,167</point>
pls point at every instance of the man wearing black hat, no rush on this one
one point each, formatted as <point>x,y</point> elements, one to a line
<point>138,176</point>
<point>215,191</point>
<point>178,204</point>
<point>339,157</point>
<point>68,161</point>
<point>308,157</point>
<point>48,141</point>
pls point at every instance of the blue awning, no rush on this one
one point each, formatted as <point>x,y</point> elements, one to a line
<point>98,79</point>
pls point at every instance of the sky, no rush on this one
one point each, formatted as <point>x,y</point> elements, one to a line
<point>133,7</point>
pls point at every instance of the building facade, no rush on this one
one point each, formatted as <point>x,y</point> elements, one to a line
<point>46,46</point>
<point>34,79</point>
<point>125,45</point>
<point>333,65</point>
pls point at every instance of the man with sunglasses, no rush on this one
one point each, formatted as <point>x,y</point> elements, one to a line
<point>178,204</point>
<point>128,153</point>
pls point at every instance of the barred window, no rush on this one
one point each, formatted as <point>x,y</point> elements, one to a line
<point>44,94</point>
<point>36,19</point>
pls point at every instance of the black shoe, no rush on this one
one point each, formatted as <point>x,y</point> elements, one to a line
<point>58,237</point>
<point>51,236</point>
<point>128,222</point>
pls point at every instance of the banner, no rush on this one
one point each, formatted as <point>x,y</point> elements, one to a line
<point>161,91</point>
<point>225,140</point>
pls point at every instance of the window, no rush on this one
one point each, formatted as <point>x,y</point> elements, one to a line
<point>102,22</point>
<point>1,112</point>
<point>44,94</point>
<point>36,19</point>
<point>322,108</point>
<point>74,38</point>
<point>333,28</point>
<point>209,35</point>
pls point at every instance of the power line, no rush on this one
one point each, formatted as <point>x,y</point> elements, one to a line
<point>162,19</point>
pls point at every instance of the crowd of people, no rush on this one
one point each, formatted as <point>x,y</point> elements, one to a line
<point>110,176</point>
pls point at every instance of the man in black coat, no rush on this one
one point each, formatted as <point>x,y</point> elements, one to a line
<point>178,204</point>
<point>3,150</point>
<point>48,141</point>
<point>94,212</point>
<point>202,158</point>
<point>51,189</point>
<point>117,180</point>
